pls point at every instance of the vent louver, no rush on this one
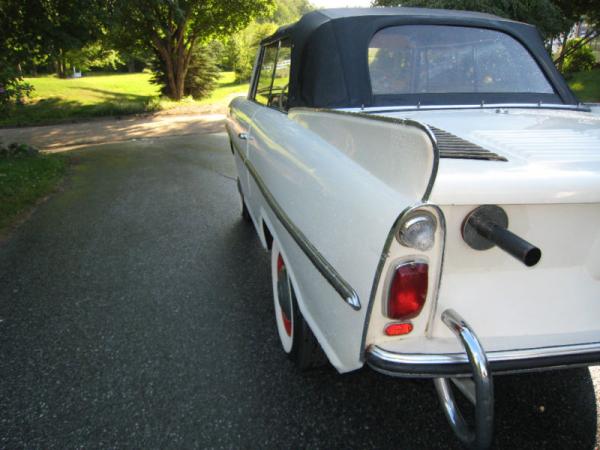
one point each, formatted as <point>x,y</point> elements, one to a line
<point>451,146</point>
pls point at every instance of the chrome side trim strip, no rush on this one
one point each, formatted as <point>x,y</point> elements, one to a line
<point>336,281</point>
<point>388,109</point>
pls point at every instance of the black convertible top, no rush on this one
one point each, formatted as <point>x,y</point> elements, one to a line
<point>329,66</point>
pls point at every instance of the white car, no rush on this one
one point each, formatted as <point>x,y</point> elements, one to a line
<point>429,189</point>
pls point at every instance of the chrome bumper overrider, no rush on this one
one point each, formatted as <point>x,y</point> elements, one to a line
<point>480,391</point>
<point>449,369</point>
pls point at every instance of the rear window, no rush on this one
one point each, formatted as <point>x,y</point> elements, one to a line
<point>422,59</point>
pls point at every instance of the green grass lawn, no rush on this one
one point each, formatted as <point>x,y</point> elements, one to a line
<point>23,181</point>
<point>586,85</point>
<point>59,100</point>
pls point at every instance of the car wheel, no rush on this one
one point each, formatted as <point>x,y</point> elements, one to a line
<point>297,339</point>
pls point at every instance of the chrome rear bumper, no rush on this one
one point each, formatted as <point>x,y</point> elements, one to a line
<point>447,369</point>
<point>457,364</point>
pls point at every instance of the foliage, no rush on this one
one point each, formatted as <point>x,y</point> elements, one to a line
<point>49,29</point>
<point>586,85</point>
<point>13,89</point>
<point>26,179</point>
<point>203,72</point>
<point>243,47</point>
<point>544,14</point>
<point>201,77</point>
<point>579,60</point>
<point>555,19</point>
<point>16,150</point>
<point>287,11</point>
<point>172,29</point>
<point>577,13</point>
<point>94,56</point>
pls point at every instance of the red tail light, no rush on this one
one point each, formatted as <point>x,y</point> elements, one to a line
<point>408,291</point>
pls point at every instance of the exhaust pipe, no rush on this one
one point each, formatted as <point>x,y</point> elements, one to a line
<point>487,225</point>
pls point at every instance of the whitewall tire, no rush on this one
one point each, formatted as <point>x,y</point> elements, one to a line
<point>295,335</point>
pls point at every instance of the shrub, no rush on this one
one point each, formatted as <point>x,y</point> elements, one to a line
<point>579,60</point>
<point>203,72</point>
<point>15,150</point>
<point>13,90</point>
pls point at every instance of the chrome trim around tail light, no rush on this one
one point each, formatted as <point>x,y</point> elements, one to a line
<point>434,288</point>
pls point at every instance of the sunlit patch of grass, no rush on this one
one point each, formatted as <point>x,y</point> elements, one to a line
<point>57,100</point>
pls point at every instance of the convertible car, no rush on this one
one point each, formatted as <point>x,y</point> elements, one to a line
<point>428,187</point>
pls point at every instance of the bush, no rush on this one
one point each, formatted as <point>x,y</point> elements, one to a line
<point>15,150</point>
<point>580,60</point>
<point>13,90</point>
<point>203,72</point>
<point>202,75</point>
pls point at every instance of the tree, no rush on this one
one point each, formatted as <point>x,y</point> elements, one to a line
<point>49,29</point>
<point>288,11</point>
<point>173,29</point>
<point>243,46</point>
<point>576,13</point>
<point>554,18</point>
<point>580,60</point>
<point>202,74</point>
<point>544,14</point>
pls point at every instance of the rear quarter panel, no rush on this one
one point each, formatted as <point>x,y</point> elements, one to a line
<point>344,197</point>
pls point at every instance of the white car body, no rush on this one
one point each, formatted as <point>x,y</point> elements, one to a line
<point>551,192</point>
<point>331,185</point>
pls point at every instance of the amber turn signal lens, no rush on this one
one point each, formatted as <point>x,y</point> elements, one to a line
<point>398,329</point>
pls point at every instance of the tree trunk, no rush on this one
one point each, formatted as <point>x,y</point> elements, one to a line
<point>131,65</point>
<point>175,55</point>
<point>176,64</point>
<point>180,72</point>
<point>561,56</point>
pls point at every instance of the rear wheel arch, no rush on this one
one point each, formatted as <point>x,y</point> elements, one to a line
<point>301,346</point>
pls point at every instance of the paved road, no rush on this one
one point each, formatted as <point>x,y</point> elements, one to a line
<point>135,311</point>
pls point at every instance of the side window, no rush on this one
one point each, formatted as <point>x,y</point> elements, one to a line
<point>281,79</point>
<point>274,75</point>
<point>265,77</point>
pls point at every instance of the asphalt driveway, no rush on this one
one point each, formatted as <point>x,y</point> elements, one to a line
<point>135,311</point>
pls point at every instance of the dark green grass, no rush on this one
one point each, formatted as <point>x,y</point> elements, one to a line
<point>24,181</point>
